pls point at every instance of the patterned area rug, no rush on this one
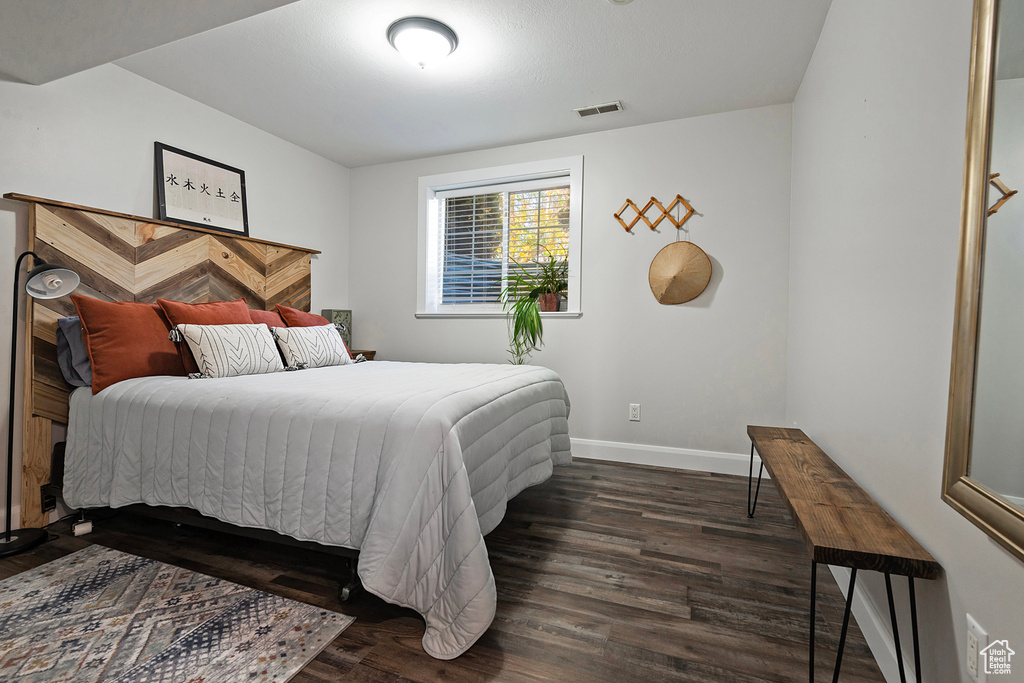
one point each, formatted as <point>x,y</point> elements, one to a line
<point>102,615</point>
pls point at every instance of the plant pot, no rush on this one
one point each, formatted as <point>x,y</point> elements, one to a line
<point>547,303</point>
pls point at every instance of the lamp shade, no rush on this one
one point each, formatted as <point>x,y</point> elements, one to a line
<point>47,281</point>
<point>422,41</point>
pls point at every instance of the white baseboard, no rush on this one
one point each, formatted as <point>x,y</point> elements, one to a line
<point>873,623</point>
<point>51,516</point>
<point>15,518</point>
<point>665,456</point>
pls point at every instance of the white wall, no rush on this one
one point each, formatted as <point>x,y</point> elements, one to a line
<point>702,371</point>
<point>997,450</point>
<point>88,139</point>
<point>878,144</point>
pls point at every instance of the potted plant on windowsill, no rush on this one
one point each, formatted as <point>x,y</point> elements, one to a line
<point>528,292</point>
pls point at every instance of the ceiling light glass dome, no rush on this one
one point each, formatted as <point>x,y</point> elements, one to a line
<point>422,41</point>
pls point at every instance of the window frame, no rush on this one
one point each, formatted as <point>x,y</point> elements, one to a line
<point>432,189</point>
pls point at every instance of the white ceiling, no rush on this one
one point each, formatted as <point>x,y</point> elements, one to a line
<point>43,40</point>
<point>321,74</point>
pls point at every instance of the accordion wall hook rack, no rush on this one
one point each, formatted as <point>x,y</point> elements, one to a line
<point>637,214</point>
<point>1003,189</point>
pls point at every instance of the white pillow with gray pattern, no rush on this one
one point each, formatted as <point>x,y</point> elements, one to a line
<point>311,347</point>
<point>231,350</point>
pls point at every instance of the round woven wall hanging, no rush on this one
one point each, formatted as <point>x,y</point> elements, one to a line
<point>679,273</point>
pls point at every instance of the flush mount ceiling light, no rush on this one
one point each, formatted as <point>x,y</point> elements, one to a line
<point>422,41</point>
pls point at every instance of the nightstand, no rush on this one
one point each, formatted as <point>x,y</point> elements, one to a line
<point>368,355</point>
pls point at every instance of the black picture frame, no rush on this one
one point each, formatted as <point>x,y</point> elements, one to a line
<point>194,190</point>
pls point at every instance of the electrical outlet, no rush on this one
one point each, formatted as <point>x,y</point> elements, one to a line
<point>972,655</point>
<point>977,641</point>
<point>634,412</point>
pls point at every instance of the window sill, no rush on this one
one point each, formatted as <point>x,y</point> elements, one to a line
<point>495,314</point>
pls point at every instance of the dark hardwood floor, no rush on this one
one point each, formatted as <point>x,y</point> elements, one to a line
<point>607,572</point>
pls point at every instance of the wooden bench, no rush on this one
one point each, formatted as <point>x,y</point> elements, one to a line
<point>841,525</point>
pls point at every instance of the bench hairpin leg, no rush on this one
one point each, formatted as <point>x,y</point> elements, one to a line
<point>750,482</point>
<point>846,624</point>
<point>895,628</point>
<point>913,623</point>
<point>814,593</point>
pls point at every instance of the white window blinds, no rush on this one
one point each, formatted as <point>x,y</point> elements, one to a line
<point>472,247</point>
<point>487,231</point>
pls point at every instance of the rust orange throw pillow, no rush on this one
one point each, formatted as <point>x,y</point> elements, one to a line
<point>271,318</point>
<point>214,313</point>
<point>296,318</point>
<point>125,340</point>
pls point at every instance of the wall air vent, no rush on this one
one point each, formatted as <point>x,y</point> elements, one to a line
<point>593,109</point>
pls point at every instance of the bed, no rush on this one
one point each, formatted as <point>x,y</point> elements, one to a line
<point>410,464</point>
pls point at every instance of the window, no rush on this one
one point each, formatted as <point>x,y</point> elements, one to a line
<point>478,225</point>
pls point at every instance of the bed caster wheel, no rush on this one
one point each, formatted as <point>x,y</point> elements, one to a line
<point>349,590</point>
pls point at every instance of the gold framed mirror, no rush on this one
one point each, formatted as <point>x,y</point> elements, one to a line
<point>983,477</point>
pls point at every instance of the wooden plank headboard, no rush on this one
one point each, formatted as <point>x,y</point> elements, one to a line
<point>121,257</point>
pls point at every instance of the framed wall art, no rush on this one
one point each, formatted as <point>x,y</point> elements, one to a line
<point>198,191</point>
<point>342,316</point>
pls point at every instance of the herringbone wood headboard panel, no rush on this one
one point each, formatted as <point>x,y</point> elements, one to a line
<point>130,258</point>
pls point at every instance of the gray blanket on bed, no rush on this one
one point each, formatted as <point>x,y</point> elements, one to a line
<point>410,463</point>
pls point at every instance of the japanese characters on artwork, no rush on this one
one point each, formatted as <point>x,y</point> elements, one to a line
<point>172,181</point>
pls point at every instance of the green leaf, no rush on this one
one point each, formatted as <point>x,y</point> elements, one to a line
<point>519,300</point>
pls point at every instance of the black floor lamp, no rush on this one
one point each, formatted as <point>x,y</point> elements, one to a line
<point>45,281</point>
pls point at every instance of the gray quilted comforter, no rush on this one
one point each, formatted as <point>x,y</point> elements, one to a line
<point>411,464</point>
